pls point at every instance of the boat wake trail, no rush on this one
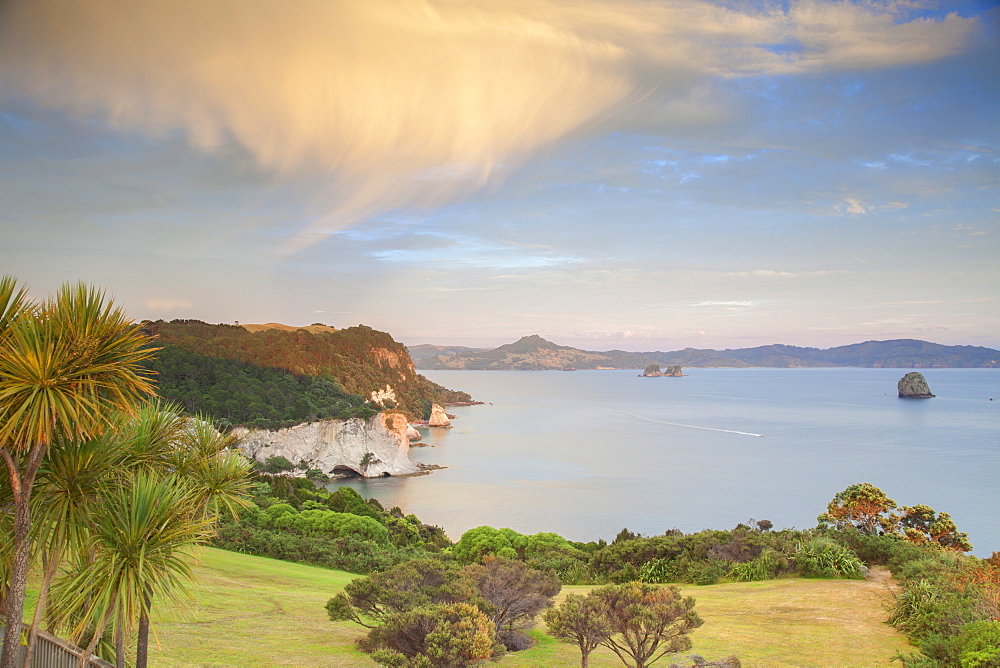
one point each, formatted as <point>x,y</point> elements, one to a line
<point>691,426</point>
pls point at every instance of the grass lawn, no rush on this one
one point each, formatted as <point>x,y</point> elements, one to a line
<point>788,622</point>
<point>251,611</point>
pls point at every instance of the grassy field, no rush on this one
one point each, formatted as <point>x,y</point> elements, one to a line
<point>251,611</point>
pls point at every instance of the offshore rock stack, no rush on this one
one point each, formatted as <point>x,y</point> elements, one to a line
<point>653,371</point>
<point>914,386</point>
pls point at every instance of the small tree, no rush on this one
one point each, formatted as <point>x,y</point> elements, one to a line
<point>646,621</point>
<point>276,464</point>
<point>582,621</point>
<point>920,525</point>
<point>481,542</point>
<point>509,593</point>
<point>457,634</point>
<point>863,506</point>
<point>514,595</point>
<point>372,600</point>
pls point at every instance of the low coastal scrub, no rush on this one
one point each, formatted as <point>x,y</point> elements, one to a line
<point>949,607</point>
<point>947,603</point>
<point>293,519</point>
<point>253,611</point>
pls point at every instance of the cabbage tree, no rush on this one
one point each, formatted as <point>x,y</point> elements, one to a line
<point>66,365</point>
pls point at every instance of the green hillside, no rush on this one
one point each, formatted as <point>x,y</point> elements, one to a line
<point>532,353</point>
<point>275,377</point>
<point>253,611</point>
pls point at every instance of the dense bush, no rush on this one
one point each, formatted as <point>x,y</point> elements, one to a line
<point>824,558</point>
<point>402,607</point>
<point>977,644</point>
<point>945,601</point>
<point>294,520</point>
<point>705,557</point>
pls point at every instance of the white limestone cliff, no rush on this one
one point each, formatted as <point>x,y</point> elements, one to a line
<point>381,396</point>
<point>370,448</point>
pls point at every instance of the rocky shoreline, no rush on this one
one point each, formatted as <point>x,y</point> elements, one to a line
<point>339,449</point>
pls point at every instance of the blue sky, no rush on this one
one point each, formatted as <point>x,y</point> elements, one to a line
<point>636,175</point>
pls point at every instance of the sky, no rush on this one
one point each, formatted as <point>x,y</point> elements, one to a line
<point>632,174</point>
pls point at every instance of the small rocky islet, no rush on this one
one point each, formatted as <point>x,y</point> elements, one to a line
<point>914,386</point>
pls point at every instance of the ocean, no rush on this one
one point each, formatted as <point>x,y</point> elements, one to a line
<point>587,453</point>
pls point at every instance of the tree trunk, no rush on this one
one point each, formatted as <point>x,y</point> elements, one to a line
<point>119,645</point>
<point>50,570</point>
<point>21,488</point>
<point>18,582</point>
<point>98,632</point>
<point>142,646</point>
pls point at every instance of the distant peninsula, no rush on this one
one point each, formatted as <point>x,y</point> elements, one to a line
<point>533,353</point>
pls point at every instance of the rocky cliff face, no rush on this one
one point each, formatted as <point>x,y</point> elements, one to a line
<point>914,386</point>
<point>371,448</point>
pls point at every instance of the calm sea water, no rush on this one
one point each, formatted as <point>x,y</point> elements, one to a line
<point>587,453</point>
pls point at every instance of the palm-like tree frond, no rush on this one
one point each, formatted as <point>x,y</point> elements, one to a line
<point>71,481</point>
<point>143,534</point>
<point>65,368</point>
<point>13,302</point>
<point>221,475</point>
<point>151,435</point>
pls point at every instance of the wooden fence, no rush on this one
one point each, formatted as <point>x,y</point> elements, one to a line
<point>53,652</point>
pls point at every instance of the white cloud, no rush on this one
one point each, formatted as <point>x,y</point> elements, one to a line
<point>854,206</point>
<point>402,103</point>
<point>168,305</point>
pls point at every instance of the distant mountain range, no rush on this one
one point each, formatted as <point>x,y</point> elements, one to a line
<point>535,353</point>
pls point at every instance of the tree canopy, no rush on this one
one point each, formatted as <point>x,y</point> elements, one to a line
<point>406,599</point>
<point>868,509</point>
<point>206,364</point>
<point>639,622</point>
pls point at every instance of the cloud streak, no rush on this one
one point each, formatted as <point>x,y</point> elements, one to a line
<point>390,104</point>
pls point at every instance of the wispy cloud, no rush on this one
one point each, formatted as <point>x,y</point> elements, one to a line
<point>415,102</point>
<point>729,304</point>
<point>765,273</point>
<point>168,305</point>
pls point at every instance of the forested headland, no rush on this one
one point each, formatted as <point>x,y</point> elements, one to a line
<point>275,378</point>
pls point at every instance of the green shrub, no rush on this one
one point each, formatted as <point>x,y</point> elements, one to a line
<point>823,558</point>
<point>657,571</point>
<point>276,464</point>
<point>708,572</point>
<point>977,645</point>
<point>764,567</point>
<point>928,608</point>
